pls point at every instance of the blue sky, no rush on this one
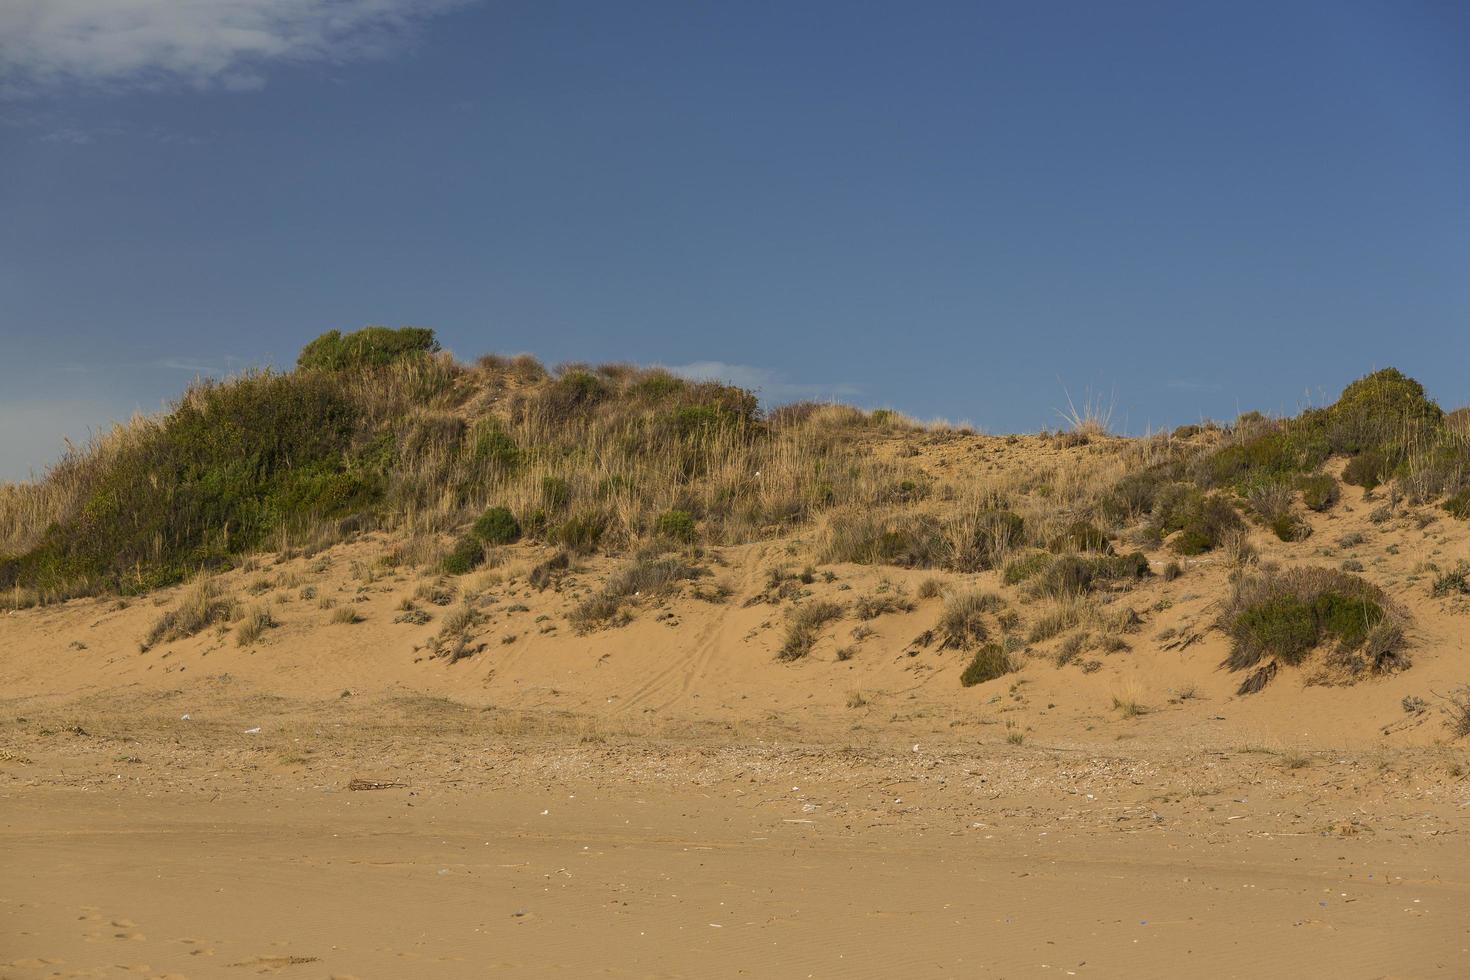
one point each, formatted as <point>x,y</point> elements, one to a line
<point>953,209</point>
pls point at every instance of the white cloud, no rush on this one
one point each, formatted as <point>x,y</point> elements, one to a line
<point>204,43</point>
<point>771,386</point>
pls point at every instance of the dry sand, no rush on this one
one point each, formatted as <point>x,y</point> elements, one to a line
<point>667,800</point>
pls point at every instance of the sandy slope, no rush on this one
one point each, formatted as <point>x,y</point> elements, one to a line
<point>712,812</point>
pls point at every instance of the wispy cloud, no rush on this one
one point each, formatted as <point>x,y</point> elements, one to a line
<point>224,44</point>
<point>772,387</point>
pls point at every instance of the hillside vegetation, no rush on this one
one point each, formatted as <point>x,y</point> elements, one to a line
<point>380,429</point>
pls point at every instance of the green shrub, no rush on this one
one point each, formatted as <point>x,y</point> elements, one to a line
<point>1319,491</point>
<point>676,524</point>
<point>1202,520</point>
<point>491,446</point>
<point>365,348</point>
<point>232,463</point>
<point>990,661</point>
<point>496,526</point>
<point>467,555</point>
<point>1288,614</point>
<point>1274,455</point>
<point>1379,409</point>
<point>1368,469</point>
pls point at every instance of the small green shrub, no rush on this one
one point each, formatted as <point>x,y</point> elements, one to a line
<point>467,555</point>
<point>490,445</point>
<point>1368,469</point>
<point>677,525</point>
<point>496,526</point>
<point>1202,520</point>
<point>365,348</point>
<point>1319,491</point>
<point>990,662</point>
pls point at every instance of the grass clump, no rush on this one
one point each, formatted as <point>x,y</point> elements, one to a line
<point>1286,615</point>
<point>881,604</point>
<point>253,626</point>
<point>989,662</point>
<point>805,626</point>
<point>1074,575</point>
<point>202,606</point>
<point>345,615</point>
<point>962,621</point>
<point>1453,582</point>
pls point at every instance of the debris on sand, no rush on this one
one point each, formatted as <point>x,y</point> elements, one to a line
<point>1258,680</point>
<point>368,784</point>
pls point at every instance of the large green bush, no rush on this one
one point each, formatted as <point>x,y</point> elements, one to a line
<point>232,463</point>
<point>365,348</point>
<point>1380,409</point>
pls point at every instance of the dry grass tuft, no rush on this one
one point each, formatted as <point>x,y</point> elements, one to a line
<point>805,626</point>
<point>204,604</point>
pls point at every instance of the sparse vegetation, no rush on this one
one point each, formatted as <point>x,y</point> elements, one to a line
<point>253,626</point>
<point>203,605</point>
<point>644,578</point>
<point>805,626</point>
